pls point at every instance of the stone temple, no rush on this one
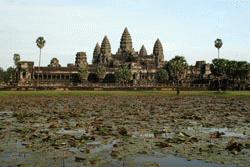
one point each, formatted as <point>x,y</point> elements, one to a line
<point>143,65</point>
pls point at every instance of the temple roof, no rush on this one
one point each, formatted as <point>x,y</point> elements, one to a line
<point>126,41</point>
<point>56,69</point>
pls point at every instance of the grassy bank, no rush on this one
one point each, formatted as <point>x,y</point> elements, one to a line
<point>124,93</point>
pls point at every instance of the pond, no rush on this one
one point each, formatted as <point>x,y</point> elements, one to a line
<point>18,155</point>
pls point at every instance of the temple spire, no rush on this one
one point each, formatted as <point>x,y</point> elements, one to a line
<point>105,55</point>
<point>126,41</point>
<point>158,51</point>
<point>105,47</point>
<point>143,51</point>
<point>97,49</point>
<point>96,52</point>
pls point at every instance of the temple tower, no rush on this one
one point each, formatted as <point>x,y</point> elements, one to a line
<point>105,55</point>
<point>96,53</point>
<point>126,42</point>
<point>158,52</point>
<point>54,62</point>
<point>81,59</point>
<point>143,51</point>
<point>24,72</point>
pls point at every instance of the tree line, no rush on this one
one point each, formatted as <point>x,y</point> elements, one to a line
<point>7,75</point>
<point>230,72</point>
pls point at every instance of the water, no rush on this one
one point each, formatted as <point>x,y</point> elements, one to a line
<point>19,155</point>
<point>173,161</point>
<point>227,132</point>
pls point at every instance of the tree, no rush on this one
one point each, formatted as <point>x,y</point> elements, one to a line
<point>40,42</point>
<point>177,67</point>
<point>219,66</point>
<point>232,69</point>
<point>218,44</point>
<point>243,69</point>
<point>7,75</point>
<point>220,69</point>
<point>162,76</point>
<point>16,59</point>
<point>123,74</point>
<point>1,75</point>
<point>100,72</point>
<point>83,71</point>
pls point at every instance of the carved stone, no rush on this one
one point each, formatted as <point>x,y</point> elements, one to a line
<point>54,62</point>
<point>81,58</point>
<point>143,51</point>
<point>126,42</point>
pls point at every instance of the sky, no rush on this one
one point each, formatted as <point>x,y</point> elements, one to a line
<point>185,27</point>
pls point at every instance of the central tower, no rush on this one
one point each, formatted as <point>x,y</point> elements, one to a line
<point>126,42</point>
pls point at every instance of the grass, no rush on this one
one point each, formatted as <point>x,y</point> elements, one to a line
<point>124,93</point>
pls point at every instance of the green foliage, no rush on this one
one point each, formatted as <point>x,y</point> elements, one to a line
<point>218,43</point>
<point>162,76</point>
<point>16,58</point>
<point>230,69</point>
<point>123,74</point>
<point>83,71</point>
<point>5,76</point>
<point>109,93</point>
<point>40,42</point>
<point>8,74</point>
<point>219,67</point>
<point>1,75</point>
<point>243,69</point>
<point>100,71</point>
<point>177,66</point>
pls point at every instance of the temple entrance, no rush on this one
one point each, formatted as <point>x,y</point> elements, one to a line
<point>109,78</point>
<point>93,78</point>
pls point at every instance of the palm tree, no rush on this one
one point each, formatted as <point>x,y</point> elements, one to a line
<point>218,44</point>
<point>40,42</point>
<point>177,67</point>
<point>16,59</point>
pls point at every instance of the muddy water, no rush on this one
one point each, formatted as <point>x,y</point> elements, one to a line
<point>173,161</point>
<point>107,131</point>
<point>227,132</point>
<point>16,154</point>
<point>48,159</point>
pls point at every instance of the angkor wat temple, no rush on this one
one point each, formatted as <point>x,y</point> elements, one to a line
<point>142,64</point>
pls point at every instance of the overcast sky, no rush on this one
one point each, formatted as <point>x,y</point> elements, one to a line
<point>185,27</point>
